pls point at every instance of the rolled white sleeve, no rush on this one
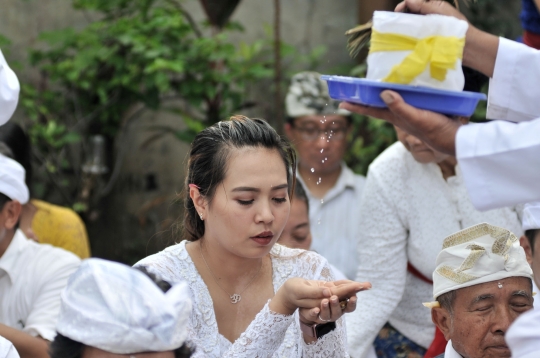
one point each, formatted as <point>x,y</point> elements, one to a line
<point>500,162</point>
<point>9,91</point>
<point>513,91</point>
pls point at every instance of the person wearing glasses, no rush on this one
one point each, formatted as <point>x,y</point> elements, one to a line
<point>319,131</point>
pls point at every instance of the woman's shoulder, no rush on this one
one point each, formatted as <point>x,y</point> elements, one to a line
<point>299,263</point>
<point>171,264</point>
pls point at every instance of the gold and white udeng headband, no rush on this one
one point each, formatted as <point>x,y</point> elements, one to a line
<point>479,254</point>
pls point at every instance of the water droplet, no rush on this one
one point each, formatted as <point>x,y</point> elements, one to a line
<point>322,201</point>
<point>313,170</point>
<point>319,181</point>
<point>322,150</point>
<point>322,161</point>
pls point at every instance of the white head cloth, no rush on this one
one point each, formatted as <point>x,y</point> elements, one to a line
<point>12,183</point>
<point>9,91</point>
<point>531,216</point>
<point>7,350</point>
<point>308,96</point>
<point>523,337</point>
<point>119,309</point>
<point>479,254</point>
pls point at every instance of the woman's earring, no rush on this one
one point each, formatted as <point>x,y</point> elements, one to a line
<point>200,215</point>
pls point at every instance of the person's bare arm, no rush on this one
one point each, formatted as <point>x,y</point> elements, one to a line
<point>481,48</point>
<point>436,130</point>
<point>26,345</point>
<point>537,3</point>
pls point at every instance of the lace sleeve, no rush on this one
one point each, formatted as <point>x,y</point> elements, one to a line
<point>263,336</point>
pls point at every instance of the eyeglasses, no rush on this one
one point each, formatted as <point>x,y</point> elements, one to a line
<point>313,133</point>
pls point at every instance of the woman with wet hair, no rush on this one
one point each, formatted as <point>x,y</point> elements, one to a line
<point>251,296</point>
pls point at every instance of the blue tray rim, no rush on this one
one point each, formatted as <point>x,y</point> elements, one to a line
<point>387,85</point>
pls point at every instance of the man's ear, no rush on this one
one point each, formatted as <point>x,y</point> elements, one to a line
<point>12,212</point>
<point>464,120</point>
<point>524,242</point>
<point>442,319</point>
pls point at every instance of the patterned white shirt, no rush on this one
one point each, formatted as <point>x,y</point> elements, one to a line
<point>334,221</point>
<point>32,277</point>
<point>406,212</point>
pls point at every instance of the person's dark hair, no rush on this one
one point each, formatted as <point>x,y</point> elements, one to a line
<point>446,301</point>
<point>210,151</point>
<point>16,139</point>
<point>65,347</point>
<point>531,236</point>
<point>474,80</point>
<point>3,200</point>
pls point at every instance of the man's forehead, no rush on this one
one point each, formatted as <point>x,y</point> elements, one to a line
<point>508,287</point>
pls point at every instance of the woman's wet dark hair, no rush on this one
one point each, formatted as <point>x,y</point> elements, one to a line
<point>210,151</point>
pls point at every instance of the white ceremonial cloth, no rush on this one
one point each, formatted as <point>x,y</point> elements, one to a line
<point>407,210</point>
<point>9,91</point>
<point>501,160</point>
<point>536,298</point>
<point>7,350</point>
<point>450,352</point>
<point>380,64</point>
<point>531,216</point>
<point>523,336</point>
<point>32,277</point>
<point>270,334</point>
<point>12,180</point>
<point>334,221</point>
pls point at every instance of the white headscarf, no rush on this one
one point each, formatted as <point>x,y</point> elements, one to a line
<point>531,216</point>
<point>523,337</point>
<point>9,91</point>
<point>12,183</point>
<point>119,309</point>
<point>479,254</point>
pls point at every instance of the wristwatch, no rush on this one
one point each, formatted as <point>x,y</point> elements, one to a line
<point>317,330</point>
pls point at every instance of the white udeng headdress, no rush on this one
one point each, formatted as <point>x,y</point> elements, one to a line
<point>12,176</point>
<point>531,216</point>
<point>9,91</point>
<point>479,254</point>
<point>119,309</point>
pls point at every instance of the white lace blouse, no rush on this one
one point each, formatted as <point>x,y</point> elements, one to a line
<point>270,334</point>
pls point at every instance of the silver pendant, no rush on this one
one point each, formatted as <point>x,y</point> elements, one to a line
<point>236,298</point>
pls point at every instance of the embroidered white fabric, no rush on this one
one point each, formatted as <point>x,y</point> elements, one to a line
<point>407,210</point>
<point>270,334</point>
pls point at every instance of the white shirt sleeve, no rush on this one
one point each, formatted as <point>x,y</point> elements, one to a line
<point>7,350</point>
<point>513,90</point>
<point>9,91</point>
<point>383,262</point>
<point>500,162</point>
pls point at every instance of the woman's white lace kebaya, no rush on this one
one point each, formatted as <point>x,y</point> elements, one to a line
<point>270,334</point>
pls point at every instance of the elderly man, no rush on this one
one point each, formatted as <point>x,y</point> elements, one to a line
<point>9,91</point>
<point>319,131</point>
<point>482,283</point>
<point>112,310</point>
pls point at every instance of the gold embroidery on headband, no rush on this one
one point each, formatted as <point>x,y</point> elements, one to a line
<point>459,277</point>
<point>466,235</point>
<point>477,251</point>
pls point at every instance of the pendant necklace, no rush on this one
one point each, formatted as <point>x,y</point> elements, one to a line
<point>235,297</point>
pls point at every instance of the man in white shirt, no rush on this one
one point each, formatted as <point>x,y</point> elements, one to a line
<point>500,160</point>
<point>482,283</point>
<point>32,275</point>
<point>319,131</point>
<point>9,91</point>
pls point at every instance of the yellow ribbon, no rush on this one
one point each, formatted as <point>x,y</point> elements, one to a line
<point>439,52</point>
